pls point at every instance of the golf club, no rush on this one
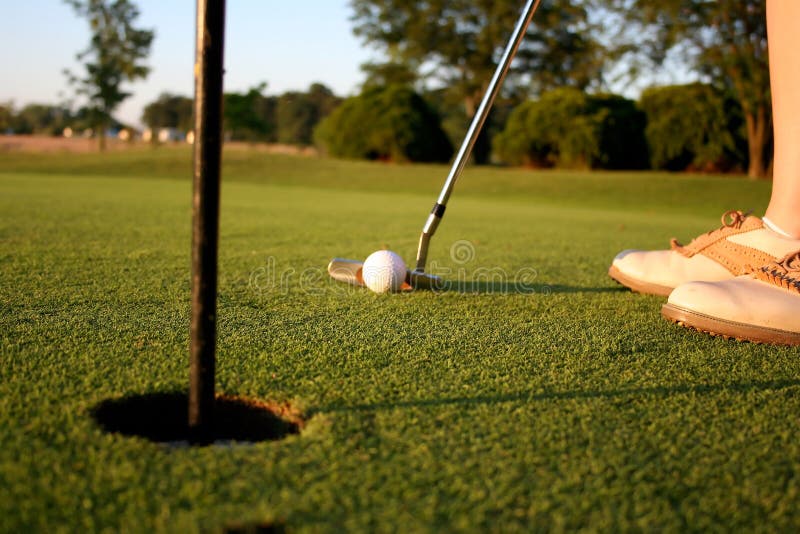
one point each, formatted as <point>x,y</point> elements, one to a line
<point>349,271</point>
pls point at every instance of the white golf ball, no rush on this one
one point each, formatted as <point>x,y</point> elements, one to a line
<point>384,271</point>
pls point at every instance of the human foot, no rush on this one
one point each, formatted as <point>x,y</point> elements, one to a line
<point>739,245</point>
<point>763,306</point>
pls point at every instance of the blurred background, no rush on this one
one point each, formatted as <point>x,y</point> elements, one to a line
<point>679,85</point>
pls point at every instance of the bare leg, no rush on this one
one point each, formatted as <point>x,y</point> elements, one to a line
<point>784,205</point>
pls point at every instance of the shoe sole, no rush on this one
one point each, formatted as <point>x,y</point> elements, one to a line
<point>728,329</point>
<point>637,285</point>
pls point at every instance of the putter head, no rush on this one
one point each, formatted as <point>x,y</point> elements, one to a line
<point>423,280</point>
<point>349,272</point>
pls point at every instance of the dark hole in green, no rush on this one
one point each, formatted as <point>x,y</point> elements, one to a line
<point>255,528</point>
<point>163,417</point>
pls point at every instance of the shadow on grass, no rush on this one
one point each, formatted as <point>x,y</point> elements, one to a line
<point>531,396</point>
<point>513,288</point>
<point>163,417</point>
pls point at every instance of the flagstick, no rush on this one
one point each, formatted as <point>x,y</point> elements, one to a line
<point>205,220</point>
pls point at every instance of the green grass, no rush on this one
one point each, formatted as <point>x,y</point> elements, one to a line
<point>571,405</point>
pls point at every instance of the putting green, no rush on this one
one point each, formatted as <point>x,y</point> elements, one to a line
<point>535,393</point>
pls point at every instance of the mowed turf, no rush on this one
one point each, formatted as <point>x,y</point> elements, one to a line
<point>533,393</point>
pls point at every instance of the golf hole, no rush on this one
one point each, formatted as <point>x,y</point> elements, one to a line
<point>255,528</point>
<point>163,418</point>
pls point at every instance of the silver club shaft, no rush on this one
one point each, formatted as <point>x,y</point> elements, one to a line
<point>474,130</point>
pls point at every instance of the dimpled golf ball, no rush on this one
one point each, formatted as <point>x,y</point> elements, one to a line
<point>384,271</point>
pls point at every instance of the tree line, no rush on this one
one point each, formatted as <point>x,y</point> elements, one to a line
<point>681,127</point>
<point>694,126</point>
<point>438,55</point>
<point>42,119</point>
<point>289,118</point>
<point>584,45</point>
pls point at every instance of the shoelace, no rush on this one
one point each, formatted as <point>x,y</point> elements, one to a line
<point>784,273</point>
<point>730,219</point>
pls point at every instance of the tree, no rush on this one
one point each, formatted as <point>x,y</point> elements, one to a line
<point>169,111</point>
<point>557,129</point>
<point>622,133</point>
<point>568,128</point>
<point>724,41</point>
<point>114,56</point>
<point>250,116</point>
<point>298,113</point>
<point>687,125</point>
<point>388,73</point>
<point>81,119</point>
<point>42,119</point>
<point>389,123</point>
<point>458,42</point>
<point>455,121</point>
<point>6,117</point>
<point>323,99</point>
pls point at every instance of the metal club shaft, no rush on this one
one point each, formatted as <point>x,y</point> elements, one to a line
<point>474,130</point>
<point>205,219</point>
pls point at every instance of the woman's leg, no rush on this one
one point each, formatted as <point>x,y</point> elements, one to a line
<point>782,28</point>
<point>764,305</point>
<point>742,242</point>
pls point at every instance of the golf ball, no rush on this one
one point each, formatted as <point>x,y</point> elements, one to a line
<point>384,271</point>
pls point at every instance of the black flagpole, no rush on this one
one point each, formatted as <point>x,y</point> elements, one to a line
<point>205,219</point>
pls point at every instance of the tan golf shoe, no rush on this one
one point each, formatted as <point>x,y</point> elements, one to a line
<point>739,245</point>
<point>763,306</point>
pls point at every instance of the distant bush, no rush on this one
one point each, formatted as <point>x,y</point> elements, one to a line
<point>6,118</point>
<point>568,128</point>
<point>41,119</point>
<point>622,140</point>
<point>298,113</point>
<point>169,111</point>
<point>456,121</point>
<point>555,130</point>
<point>250,116</point>
<point>388,123</point>
<point>689,126</point>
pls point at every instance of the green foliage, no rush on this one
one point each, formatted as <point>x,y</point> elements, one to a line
<point>725,41</point>
<point>453,116</point>
<point>170,111</point>
<point>387,123</point>
<point>250,116</point>
<point>46,119</point>
<point>6,117</point>
<point>298,113</point>
<point>557,129</point>
<point>568,128</point>
<point>388,73</point>
<point>459,40</point>
<point>455,121</point>
<point>43,119</point>
<point>81,119</point>
<point>289,118</point>
<point>114,56</point>
<point>622,133</point>
<point>456,43</point>
<point>686,125</point>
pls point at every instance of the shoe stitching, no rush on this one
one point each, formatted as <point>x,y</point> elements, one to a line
<point>732,220</point>
<point>714,244</point>
<point>784,273</point>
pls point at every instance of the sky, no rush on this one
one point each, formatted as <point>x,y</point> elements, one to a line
<point>289,44</point>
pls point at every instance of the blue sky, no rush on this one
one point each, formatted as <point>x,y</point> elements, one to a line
<point>287,43</point>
